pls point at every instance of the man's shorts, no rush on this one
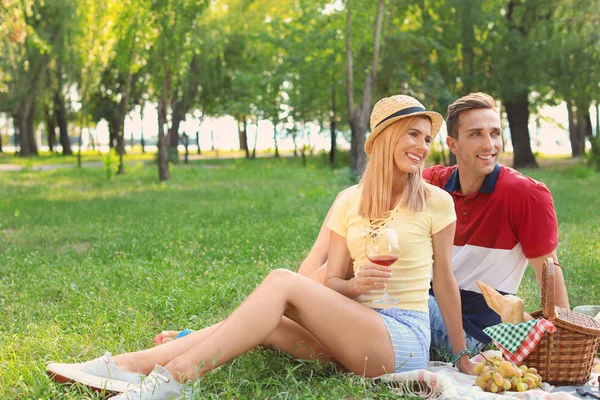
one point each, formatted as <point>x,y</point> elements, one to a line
<point>441,350</point>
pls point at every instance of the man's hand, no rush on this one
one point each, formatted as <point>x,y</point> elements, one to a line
<point>465,365</point>
<point>370,277</point>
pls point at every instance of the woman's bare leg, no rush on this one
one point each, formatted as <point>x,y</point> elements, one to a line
<point>288,337</point>
<point>353,334</point>
<point>145,360</point>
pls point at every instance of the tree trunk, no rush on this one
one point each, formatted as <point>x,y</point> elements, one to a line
<point>586,122</point>
<point>573,129</point>
<point>576,128</point>
<point>332,147</point>
<point>112,137</point>
<point>17,128</point>
<point>275,139</point>
<point>142,143</point>
<point>173,138</point>
<point>468,34</point>
<point>24,149</point>
<point>91,137</point>
<point>51,129</point>
<point>185,141</point>
<point>79,145</point>
<point>26,135</point>
<point>61,118</point>
<point>303,153</point>
<point>255,141</point>
<point>33,148</point>
<point>81,125</point>
<point>120,148</point>
<point>246,136</point>
<point>163,160</point>
<point>294,135</point>
<point>198,141</point>
<point>113,129</point>
<point>517,112</point>
<point>242,134</point>
<point>122,110</point>
<point>358,117</point>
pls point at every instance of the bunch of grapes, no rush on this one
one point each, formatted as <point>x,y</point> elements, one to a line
<point>497,375</point>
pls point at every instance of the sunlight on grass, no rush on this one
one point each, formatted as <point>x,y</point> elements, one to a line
<point>93,265</point>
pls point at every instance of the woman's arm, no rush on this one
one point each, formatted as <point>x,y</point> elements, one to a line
<point>318,253</point>
<point>447,294</point>
<point>340,276</point>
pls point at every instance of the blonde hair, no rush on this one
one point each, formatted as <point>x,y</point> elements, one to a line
<point>376,182</point>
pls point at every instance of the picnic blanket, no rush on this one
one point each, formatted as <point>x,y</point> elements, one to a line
<point>443,381</point>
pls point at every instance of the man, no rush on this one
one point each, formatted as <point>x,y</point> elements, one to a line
<point>505,220</point>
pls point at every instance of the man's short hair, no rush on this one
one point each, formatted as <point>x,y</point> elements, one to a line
<point>472,101</point>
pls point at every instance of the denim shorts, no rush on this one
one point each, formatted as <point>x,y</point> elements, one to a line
<point>410,336</point>
<point>441,350</point>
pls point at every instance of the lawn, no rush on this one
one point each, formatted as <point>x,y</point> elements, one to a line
<point>91,264</point>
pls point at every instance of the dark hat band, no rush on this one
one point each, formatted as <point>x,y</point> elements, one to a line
<point>406,111</point>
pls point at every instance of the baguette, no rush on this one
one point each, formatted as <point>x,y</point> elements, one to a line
<point>510,307</point>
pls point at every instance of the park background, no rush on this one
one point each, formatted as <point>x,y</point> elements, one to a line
<point>105,242</point>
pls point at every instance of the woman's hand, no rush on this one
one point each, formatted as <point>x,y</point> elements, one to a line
<point>370,277</point>
<point>465,365</point>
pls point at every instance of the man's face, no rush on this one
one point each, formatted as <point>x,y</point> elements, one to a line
<point>478,143</point>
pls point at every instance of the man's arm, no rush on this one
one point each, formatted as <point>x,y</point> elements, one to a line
<point>560,290</point>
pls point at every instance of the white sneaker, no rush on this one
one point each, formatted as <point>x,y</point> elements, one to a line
<point>159,385</point>
<point>100,374</point>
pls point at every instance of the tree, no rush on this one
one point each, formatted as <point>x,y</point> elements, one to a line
<point>574,69</point>
<point>171,59</point>
<point>34,28</point>
<point>358,116</point>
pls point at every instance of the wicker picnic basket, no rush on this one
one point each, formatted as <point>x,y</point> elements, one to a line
<point>566,356</point>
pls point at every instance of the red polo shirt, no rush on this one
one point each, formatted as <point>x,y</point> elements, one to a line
<point>511,218</point>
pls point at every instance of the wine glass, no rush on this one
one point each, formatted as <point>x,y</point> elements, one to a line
<point>383,248</point>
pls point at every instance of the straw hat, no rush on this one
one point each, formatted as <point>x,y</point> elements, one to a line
<point>391,109</point>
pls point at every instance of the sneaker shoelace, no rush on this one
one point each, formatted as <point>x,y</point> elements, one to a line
<point>151,383</point>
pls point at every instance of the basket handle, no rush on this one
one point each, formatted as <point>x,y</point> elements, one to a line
<point>548,301</point>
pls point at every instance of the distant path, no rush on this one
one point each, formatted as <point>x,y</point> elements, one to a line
<point>50,167</point>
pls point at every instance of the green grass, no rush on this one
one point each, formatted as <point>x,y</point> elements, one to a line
<point>89,265</point>
<point>576,192</point>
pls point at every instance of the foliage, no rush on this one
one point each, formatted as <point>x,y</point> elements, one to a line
<point>285,60</point>
<point>594,153</point>
<point>111,166</point>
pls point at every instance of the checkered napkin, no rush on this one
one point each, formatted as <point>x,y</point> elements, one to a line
<point>516,341</point>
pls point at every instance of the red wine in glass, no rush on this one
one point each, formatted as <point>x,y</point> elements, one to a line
<point>385,260</point>
<point>383,248</point>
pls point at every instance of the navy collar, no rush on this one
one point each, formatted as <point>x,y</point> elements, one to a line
<point>488,186</point>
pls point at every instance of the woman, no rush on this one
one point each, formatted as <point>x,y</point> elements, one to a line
<point>310,321</point>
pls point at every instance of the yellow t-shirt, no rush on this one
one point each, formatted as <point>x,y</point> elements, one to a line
<point>411,274</point>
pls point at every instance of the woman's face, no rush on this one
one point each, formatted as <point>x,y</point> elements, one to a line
<point>413,147</point>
